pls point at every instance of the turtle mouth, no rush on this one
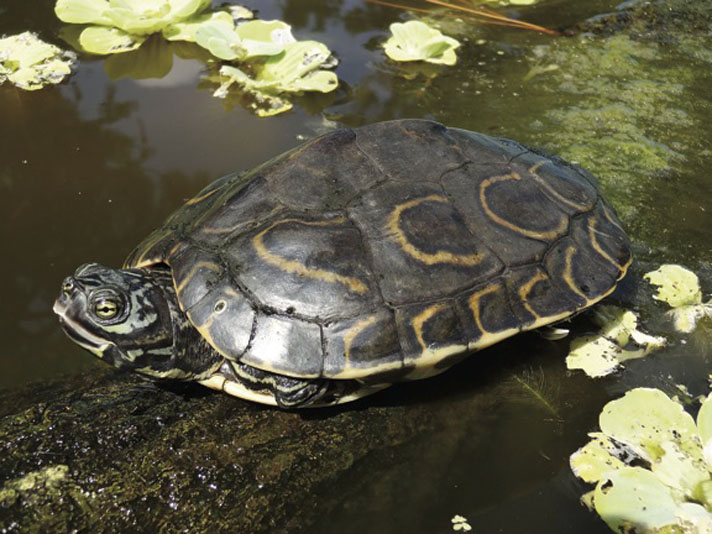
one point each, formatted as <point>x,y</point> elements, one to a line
<point>77,333</point>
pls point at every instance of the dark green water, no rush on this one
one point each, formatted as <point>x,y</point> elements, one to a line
<point>88,168</point>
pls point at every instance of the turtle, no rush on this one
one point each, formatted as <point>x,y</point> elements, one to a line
<point>366,256</point>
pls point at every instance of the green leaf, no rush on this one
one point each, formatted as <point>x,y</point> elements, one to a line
<point>677,286</point>
<point>416,41</point>
<point>82,11</point>
<point>103,40</point>
<point>219,37</point>
<point>617,341</point>
<point>264,38</point>
<point>30,63</point>
<point>645,418</point>
<point>293,70</point>
<point>633,498</point>
<point>136,17</point>
<point>185,31</point>
<point>595,460</point>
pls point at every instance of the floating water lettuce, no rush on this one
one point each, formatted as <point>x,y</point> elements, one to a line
<point>416,41</point>
<point>618,340</point>
<point>651,465</point>
<point>123,25</point>
<point>30,63</point>
<point>247,40</point>
<point>680,288</point>
<point>297,69</point>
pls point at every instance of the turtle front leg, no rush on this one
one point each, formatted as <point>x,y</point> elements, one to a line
<point>254,384</point>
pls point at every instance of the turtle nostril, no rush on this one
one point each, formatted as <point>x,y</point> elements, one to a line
<point>68,286</point>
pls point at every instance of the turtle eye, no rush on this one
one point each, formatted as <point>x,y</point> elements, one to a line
<point>106,307</point>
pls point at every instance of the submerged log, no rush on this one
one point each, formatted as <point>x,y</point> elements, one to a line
<point>111,452</point>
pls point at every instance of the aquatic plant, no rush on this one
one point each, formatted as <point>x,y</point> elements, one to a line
<point>298,68</point>
<point>30,63</point>
<point>247,40</point>
<point>416,41</point>
<point>651,464</point>
<point>117,26</point>
<point>680,289</point>
<point>618,340</point>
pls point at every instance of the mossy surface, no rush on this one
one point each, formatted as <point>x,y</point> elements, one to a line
<point>633,107</point>
<point>123,455</point>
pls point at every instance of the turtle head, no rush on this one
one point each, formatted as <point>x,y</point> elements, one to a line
<point>121,315</point>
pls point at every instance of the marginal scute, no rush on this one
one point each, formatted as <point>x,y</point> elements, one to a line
<point>195,271</point>
<point>601,231</point>
<point>535,297</point>
<point>429,332</point>
<point>361,347</point>
<point>486,312</point>
<point>152,249</point>
<point>287,346</point>
<point>225,319</point>
<point>601,257</point>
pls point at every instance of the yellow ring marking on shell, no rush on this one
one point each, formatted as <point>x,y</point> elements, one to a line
<point>609,216</point>
<point>229,229</point>
<point>534,234</point>
<point>201,264</point>
<point>568,274</point>
<point>553,192</point>
<point>597,247</point>
<point>353,284</point>
<point>441,256</point>
<point>526,289</point>
<point>175,249</point>
<point>474,302</point>
<point>419,321</point>
<point>354,331</point>
<point>195,200</point>
<point>139,262</point>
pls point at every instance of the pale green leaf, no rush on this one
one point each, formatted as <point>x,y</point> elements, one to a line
<point>645,418</point>
<point>677,286</point>
<point>104,40</point>
<point>298,60</point>
<point>264,38</point>
<point>220,38</point>
<point>416,41</point>
<point>679,470</point>
<point>295,70</point>
<point>597,356</point>
<point>273,31</point>
<point>704,420</point>
<point>600,355</point>
<point>594,460</point>
<point>616,323</point>
<point>82,11</point>
<point>185,31</point>
<point>685,318</point>
<point>30,63</point>
<point>633,497</point>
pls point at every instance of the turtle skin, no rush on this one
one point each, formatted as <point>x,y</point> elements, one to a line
<point>387,252</point>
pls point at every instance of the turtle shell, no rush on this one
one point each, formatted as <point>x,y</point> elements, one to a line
<point>388,251</point>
